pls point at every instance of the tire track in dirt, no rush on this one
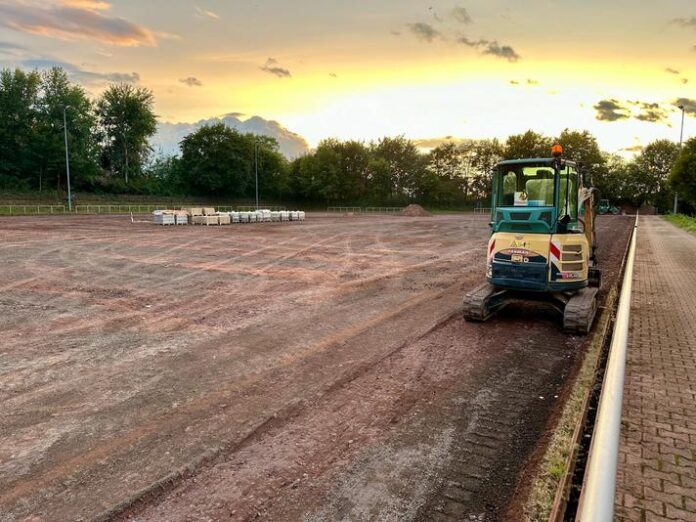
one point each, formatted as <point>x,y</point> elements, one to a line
<point>343,348</point>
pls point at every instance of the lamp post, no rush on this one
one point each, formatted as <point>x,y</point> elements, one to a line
<point>256,169</point>
<point>681,139</point>
<point>67,155</point>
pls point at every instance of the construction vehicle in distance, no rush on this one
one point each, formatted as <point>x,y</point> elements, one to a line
<point>542,245</point>
<point>604,207</point>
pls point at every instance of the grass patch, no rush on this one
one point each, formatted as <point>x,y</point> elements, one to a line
<point>555,462</point>
<point>686,222</point>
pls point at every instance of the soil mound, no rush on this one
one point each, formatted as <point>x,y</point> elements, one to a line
<point>414,210</point>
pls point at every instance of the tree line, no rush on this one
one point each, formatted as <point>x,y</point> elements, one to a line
<point>109,152</point>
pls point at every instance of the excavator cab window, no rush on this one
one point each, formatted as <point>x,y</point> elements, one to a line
<point>568,194</point>
<point>526,186</point>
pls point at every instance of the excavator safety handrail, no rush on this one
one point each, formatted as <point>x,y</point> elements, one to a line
<point>599,485</point>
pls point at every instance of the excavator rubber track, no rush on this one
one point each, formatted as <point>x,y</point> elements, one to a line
<point>580,311</point>
<point>482,302</point>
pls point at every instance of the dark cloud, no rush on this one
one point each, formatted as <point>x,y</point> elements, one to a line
<point>491,47</point>
<point>461,15</point>
<point>685,81</point>
<point>688,104</point>
<point>436,16</point>
<point>528,81</point>
<point>424,32</point>
<point>271,66</point>
<point>79,74</point>
<point>333,75</point>
<point>633,148</point>
<point>651,112</point>
<point>191,81</point>
<point>75,20</point>
<point>685,22</point>
<point>611,110</point>
<point>395,33</point>
<point>614,110</point>
<point>133,77</point>
<point>671,71</point>
<point>502,51</point>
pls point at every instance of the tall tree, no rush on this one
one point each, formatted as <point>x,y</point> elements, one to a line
<point>527,145</point>
<point>405,165</point>
<point>59,94</point>
<point>19,93</point>
<point>216,160</point>
<point>484,156</point>
<point>582,147</point>
<point>651,173</point>
<point>127,120</point>
<point>683,175</point>
<point>271,164</point>
<point>613,180</point>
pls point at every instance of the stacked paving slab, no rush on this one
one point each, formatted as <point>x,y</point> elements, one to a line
<point>208,216</point>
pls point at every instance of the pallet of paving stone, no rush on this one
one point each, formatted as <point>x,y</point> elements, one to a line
<point>163,217</point>
<point>205,220</point>
<point>193,211</point>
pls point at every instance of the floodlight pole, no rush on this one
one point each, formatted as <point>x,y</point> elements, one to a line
<point>67,156</point>
<point>256,169</point>
<point>681,139</point>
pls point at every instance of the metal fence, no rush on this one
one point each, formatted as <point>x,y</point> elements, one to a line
<point>119,209</point>
<point>345,210</point>
<point>249,208</point>
<point>599,485</point>
<point>383,210</point>
<point>365,210</point>
<point>31,210</point>
<point>482,210</point>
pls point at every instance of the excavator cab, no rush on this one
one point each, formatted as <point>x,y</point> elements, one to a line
<point>542,244</point>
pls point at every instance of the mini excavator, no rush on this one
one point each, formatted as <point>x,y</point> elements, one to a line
<point>542,245</point>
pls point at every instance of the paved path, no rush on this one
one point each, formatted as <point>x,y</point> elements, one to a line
<point>657,459</point>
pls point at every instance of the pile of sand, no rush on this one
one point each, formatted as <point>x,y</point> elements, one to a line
<point>414,210</point>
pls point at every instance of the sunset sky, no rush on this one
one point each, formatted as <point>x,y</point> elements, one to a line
<point>362,70</point>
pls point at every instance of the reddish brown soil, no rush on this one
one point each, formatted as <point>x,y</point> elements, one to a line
<point>283,371</point>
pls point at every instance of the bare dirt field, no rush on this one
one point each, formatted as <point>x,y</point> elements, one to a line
<point>282,371</point>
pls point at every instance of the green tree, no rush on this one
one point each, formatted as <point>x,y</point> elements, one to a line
<point>58,93</point>
<point>613,180</point>
<point>272,167</point>
<point>19,93</point>
<point>127,121</point>
<point>217,160</point>
<point>449,163</point>
<point>484,156</point>
<point>582,147</point>
<point>651,172</point>
<point>337,172</point>
<point>405,166</point>
<point>527,145</point>
<point>683,175</point>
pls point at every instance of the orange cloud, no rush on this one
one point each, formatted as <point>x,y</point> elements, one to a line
<point>76,19</point>
<point>92,5</point>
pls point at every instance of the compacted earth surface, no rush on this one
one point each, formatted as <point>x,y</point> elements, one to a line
<point>315,370</point>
